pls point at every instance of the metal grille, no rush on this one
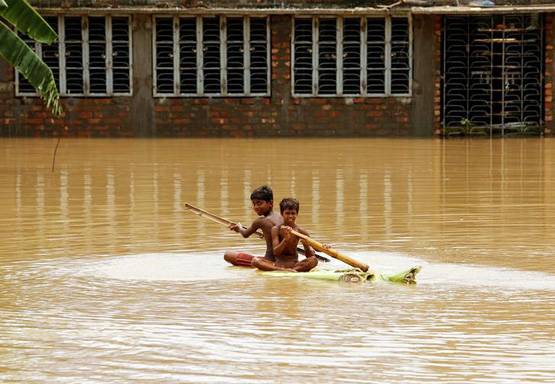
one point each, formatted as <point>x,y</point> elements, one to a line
<point>211,56</point>
<point>376,54</point>
<point>493,69</point>
<point>51,53</point>
<point>327,56</point>
<point>91,57</point>
<point>164,55</point>
<point>23,85</point>
<point>97,54</point>
<point>235,55</point>
<point>187,56</point>
<point>259,55</point>
<point>73,43</point>
<point>121,55</point>
<point>352,56</point>
<point>302,63</point>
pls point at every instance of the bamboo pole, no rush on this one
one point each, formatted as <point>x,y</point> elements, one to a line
<point>332,252</point>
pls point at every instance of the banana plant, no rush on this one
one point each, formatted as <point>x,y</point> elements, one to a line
<point>21,15</point>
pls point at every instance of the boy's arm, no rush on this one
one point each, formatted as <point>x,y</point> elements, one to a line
<point>308,251</point>
<point>277,244</point>
<point>246,232</point>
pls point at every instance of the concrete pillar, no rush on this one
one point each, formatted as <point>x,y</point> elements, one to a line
<point>142,103</point>
<point>422,111</point>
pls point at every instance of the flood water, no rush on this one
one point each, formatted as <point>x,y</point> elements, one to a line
<point>105,277</point>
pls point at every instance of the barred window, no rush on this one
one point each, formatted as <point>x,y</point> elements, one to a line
<point>92,56</point>
<point>351,56</point>
<point>211,56</point>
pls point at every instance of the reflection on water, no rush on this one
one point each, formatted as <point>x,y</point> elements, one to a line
<point>105,277</point>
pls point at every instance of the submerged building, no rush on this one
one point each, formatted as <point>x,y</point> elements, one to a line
<point>334,68</point>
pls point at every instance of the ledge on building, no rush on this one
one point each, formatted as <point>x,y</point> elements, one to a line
<point>471,10</point>
<point>216,11</point>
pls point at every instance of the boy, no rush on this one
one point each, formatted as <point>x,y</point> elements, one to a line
<point>285,244</point>
<point>263,203</point>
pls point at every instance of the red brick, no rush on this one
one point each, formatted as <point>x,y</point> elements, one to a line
<point>237,117</point>
<point>34,121</point>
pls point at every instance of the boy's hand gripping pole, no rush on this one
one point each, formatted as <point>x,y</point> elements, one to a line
<point>216,219</point>
<point>331,252</point>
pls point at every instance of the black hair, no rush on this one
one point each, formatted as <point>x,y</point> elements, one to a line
<point>263,193</point>
<point>289,203</point>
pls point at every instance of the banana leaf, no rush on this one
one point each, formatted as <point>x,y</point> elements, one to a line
<point>25,61</point>
<point>24,17</point>
<point>351,275</point>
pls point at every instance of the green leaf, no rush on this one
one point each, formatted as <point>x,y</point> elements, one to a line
<point>27,20</point>
<point>25,61</point>
<point>3,4</point>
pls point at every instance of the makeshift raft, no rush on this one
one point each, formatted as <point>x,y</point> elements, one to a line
<point>407,277</point>
<point>360,273</point>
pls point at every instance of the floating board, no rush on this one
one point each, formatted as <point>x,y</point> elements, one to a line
<point>351,275</point>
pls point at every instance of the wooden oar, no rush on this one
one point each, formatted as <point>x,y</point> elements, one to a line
<point>227,223</point>
<point>215,218</point>
<point>331,252</point>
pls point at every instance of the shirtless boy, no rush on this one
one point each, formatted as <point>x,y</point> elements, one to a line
<point>285,243</point>
<point>263,203</point>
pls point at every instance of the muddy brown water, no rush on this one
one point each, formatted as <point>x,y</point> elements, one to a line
<point>105,277</point>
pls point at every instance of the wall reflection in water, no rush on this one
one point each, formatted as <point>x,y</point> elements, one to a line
<point>363,199</point>
<point>315,197</point>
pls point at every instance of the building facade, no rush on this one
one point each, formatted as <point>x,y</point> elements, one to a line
<point>259,68</point>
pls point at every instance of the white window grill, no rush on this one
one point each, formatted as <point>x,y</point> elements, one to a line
<point>351,56</point>
<point>92,56</point>
<point>211,56</point>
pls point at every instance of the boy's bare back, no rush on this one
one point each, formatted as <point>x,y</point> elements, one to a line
<point>266,224</point>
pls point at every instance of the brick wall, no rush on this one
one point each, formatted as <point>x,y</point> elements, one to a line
<point>83,117</point>
<point>281,114</point>
<point>278,115</point>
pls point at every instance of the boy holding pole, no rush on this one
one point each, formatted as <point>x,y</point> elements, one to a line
<point>285,243</point>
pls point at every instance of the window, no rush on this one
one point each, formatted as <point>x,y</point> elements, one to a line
<point>211,56</point>
<point>351,56</point>
<point>92,56</point>
<point>492,74</point>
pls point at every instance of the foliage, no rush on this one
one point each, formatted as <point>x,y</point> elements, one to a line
<point>18,54</point>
